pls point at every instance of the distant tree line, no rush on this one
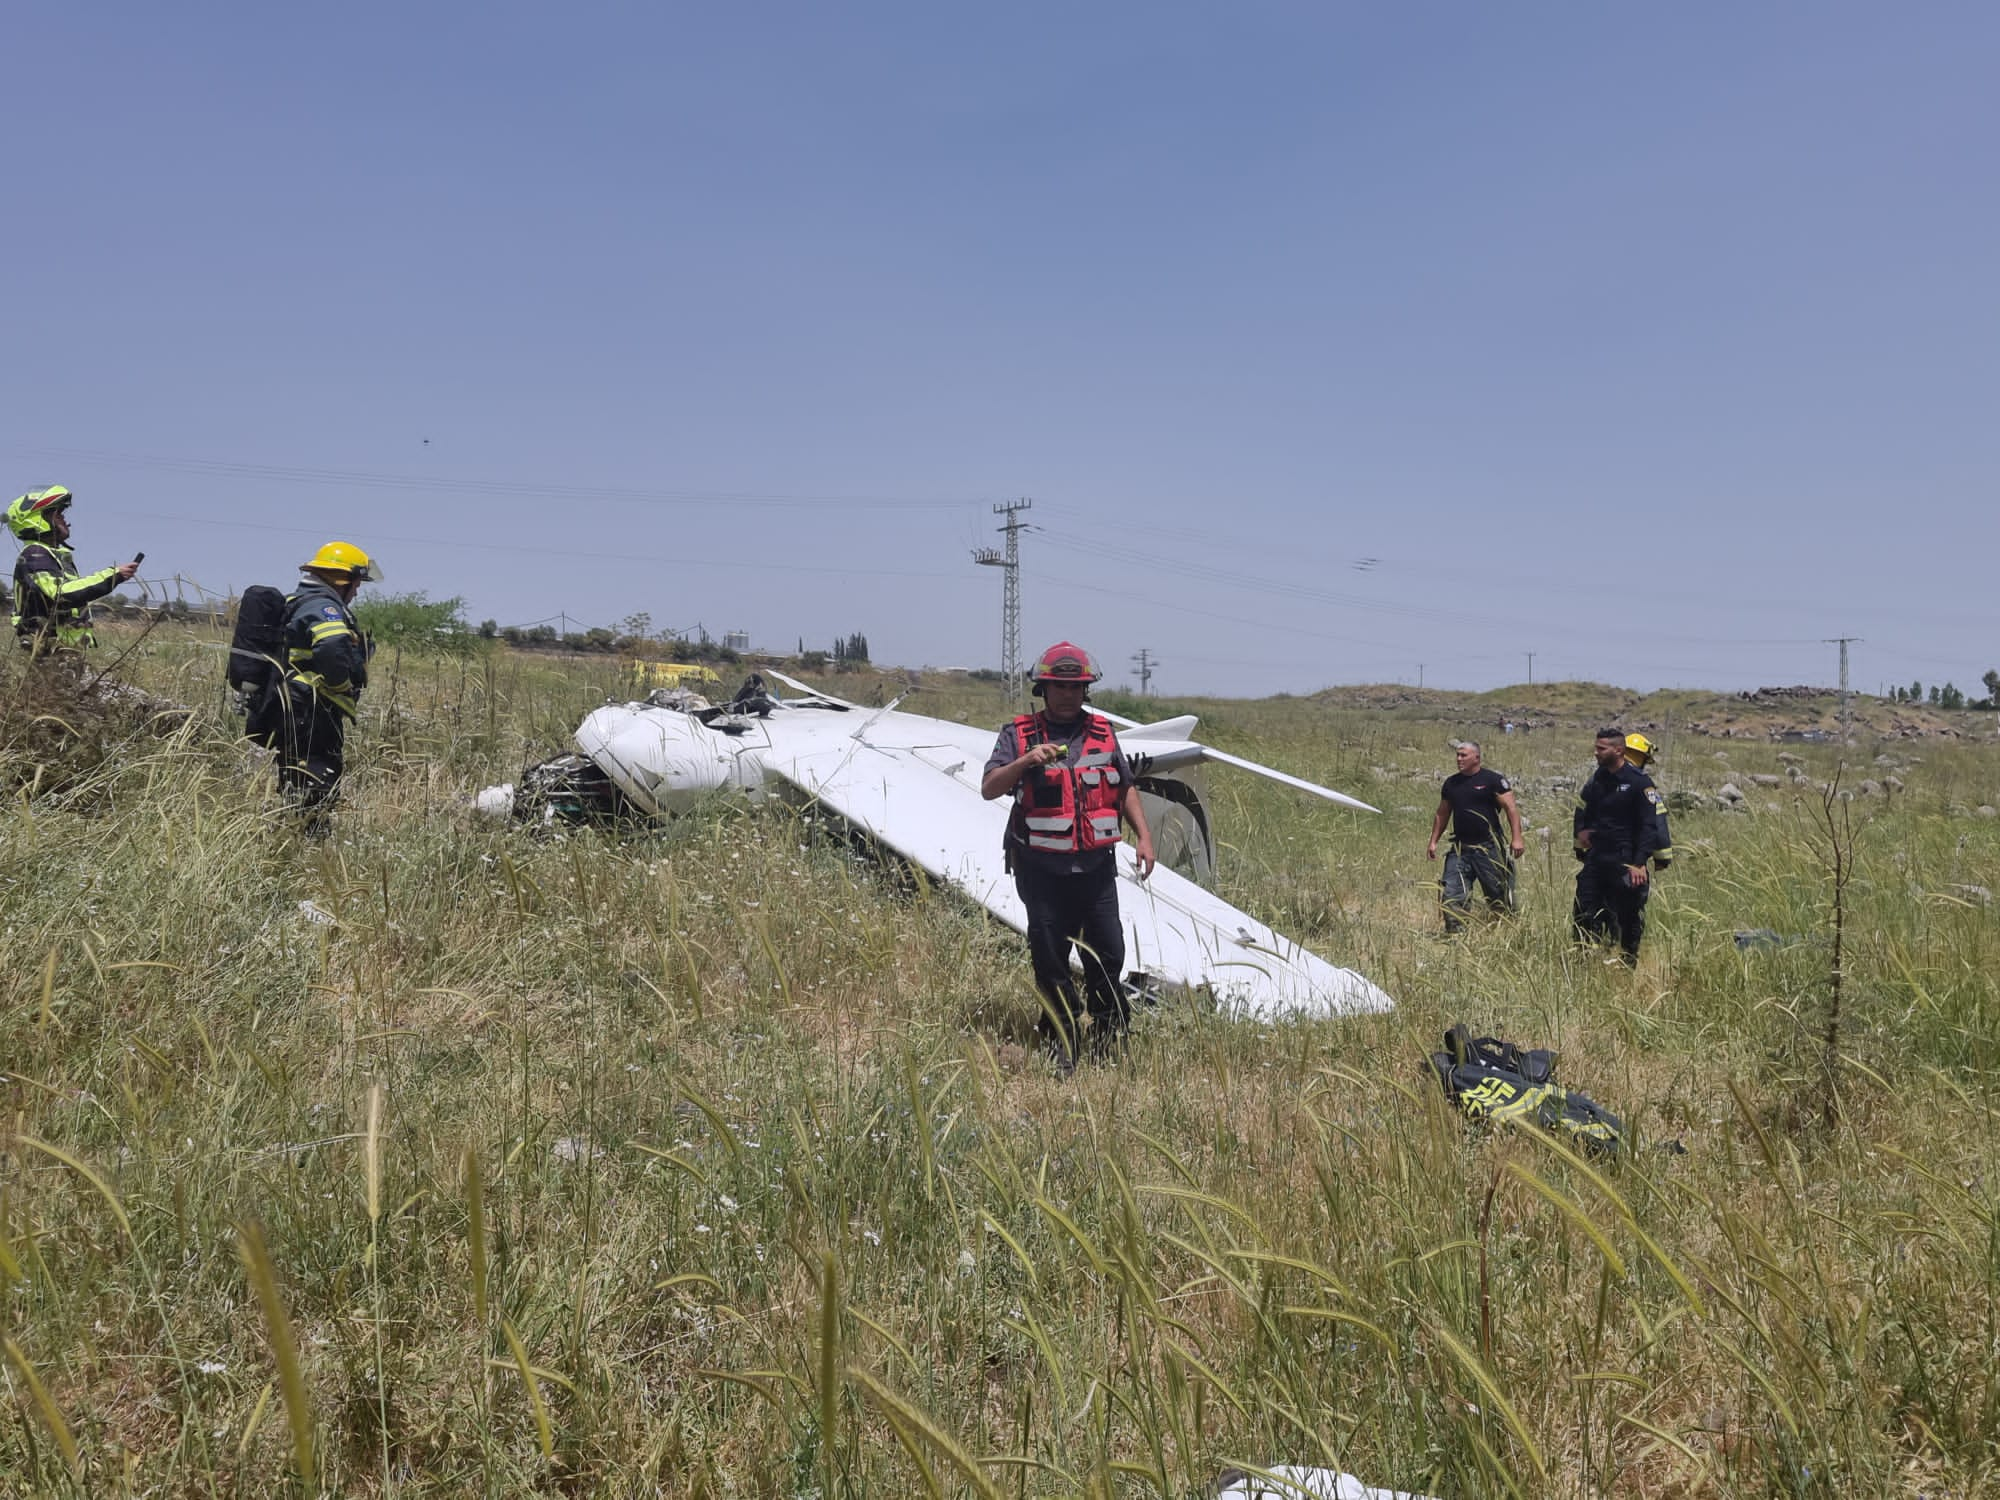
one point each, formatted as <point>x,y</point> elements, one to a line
<point>1948,696</point>
<point>849,653</point>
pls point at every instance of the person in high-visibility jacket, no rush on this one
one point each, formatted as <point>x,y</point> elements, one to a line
<point>51,598</point>
<point>1072,785</point>
<point>326,667</point>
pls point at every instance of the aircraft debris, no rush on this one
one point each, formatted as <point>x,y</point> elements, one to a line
<point>1290,1482</point>
<point>910,783</point>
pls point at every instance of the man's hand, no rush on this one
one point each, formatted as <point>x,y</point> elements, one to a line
<point>1432,852</point>
<point>126,571</point>
<point>1520,847</point>
<point>1637,874</point>
<point>1044,754</point>
<point>1583,840</point>
<point>1142,845</point>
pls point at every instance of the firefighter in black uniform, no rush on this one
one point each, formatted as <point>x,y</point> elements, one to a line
<point>1639,752</point>
<point>326,667</point>
<point>1619,825</point>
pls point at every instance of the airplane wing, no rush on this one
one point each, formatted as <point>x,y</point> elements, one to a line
<point>1170,755</point>
<point>912,783</point>
<point>1166,746</point>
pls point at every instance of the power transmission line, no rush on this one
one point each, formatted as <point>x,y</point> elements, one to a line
<point>679,559</point>
<point>1010,608</point>
<point>1146,662</point>
<point>1846,698</point>
<point>210,468</point>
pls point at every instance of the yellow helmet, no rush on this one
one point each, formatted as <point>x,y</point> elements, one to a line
<point>1638,748</point>
<point>346,559</point>
<point>28,516</point>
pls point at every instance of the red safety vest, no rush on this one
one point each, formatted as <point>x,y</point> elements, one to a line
<point>1065,808</point>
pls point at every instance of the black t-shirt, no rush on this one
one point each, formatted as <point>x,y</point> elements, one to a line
<point>1474,798</point>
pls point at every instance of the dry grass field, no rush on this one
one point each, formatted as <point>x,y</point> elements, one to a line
<point>439,1159</point>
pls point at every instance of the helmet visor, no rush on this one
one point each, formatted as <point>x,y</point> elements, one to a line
<point>360,572</point>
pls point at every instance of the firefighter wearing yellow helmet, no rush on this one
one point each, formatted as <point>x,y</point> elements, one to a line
<point>51,598</point>
<point>326,667</point>
<point>1620,824</point>
<point>1640,751</point>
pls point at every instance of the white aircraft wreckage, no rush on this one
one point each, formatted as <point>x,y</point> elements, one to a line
<point>910,783</point>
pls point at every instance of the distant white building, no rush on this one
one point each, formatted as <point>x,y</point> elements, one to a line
<point>737,640</point>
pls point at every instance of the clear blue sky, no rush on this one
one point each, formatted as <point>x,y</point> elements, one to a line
<point>1659,341</point>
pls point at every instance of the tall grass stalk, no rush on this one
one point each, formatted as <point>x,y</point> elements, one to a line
<point>649,1084</point>
<point>284,1349</point>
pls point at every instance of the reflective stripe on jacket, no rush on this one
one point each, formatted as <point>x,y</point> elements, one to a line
<point>50,595</point>
<point>1066,809</point>
<point>324,648</point>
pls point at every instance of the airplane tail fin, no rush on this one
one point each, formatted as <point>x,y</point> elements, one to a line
<point>1178,728</point>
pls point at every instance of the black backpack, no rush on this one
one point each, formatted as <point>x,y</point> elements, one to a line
<point>256,661</point>
<point>257,649</point>
<point>1493,1080</point>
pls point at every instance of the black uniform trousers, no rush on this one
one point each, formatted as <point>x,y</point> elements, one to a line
<point>311,741</point>
<point>1607,906</point>
<point>1080,909</point>
<point>1467,865</point>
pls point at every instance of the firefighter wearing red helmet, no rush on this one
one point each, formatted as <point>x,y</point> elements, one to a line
<point>1072,786</point>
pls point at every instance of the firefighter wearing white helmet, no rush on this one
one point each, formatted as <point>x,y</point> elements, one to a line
<point>326,667</point>
<point>1072,787</point>
<point>51,598</point>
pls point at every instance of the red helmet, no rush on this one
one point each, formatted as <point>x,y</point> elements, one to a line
<point>1066,662</point>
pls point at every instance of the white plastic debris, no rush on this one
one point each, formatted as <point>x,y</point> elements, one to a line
<point>496,801</point>
<point>1291,1483</point>
<point>574,1148</point>
<point>312,911</point>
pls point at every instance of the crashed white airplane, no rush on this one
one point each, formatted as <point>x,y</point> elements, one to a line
<point>911,783</point>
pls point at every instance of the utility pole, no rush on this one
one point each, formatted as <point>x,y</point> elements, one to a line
<point>1145,662</point>
<point>1531,667</point>
<point>1846,698</point>
<point>1420,677</point>
<point>1010,609</point>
